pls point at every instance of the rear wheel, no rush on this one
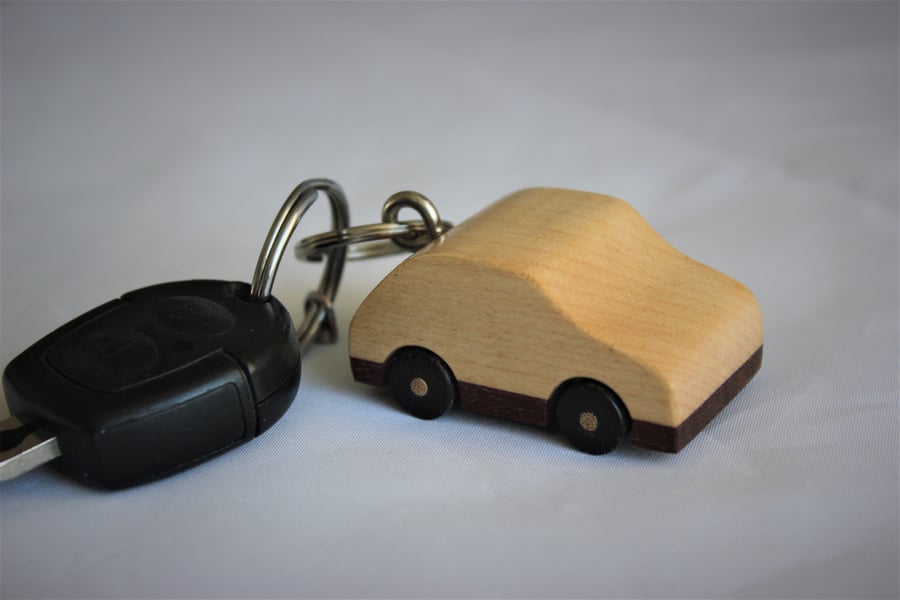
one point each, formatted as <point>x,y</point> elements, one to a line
<point>422,382</point>
<point>591,416</point>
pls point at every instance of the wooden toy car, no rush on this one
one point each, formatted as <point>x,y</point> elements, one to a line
<point>561,307</point>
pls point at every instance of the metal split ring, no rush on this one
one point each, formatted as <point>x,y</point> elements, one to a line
<point>318,322</point>
<point>380,239</point>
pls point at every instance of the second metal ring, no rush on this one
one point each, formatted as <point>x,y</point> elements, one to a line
<point>379,240</point>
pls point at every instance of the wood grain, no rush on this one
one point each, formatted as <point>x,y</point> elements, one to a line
<point>548,285</point>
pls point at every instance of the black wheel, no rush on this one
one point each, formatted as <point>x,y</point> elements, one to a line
<point>422,382</point>
<point>591,416</point>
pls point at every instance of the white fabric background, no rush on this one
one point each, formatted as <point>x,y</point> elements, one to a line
<point>148,142</point>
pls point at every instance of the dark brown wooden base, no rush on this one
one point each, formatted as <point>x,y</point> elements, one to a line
<point>535,411</point>
<point>506,405</point>
<point>366,371</point>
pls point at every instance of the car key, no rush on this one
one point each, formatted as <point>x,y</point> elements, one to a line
<point>159,379</point>
<point>168,375</point>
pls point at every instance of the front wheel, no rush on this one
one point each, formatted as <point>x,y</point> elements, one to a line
<point>421,382</point>
<point>592,417</point>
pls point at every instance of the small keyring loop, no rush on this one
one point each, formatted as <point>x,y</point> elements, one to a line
<point>390,213</point>
<point>298,202</point>
<point>377,239</point>
<point>380,239</point>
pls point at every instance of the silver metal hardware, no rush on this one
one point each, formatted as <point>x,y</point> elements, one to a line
<point>315,247</point>
<point>24,446</point>
<point>318,323</point>
<point>390,214</point>
<point>380,239</point>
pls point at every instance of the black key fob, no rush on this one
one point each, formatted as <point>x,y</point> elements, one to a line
<point>160,379</point>
<point>171,374</point>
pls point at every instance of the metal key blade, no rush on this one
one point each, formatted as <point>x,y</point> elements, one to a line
<point>23,447</point>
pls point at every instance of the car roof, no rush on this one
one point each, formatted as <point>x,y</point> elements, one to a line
<point>531,230</point>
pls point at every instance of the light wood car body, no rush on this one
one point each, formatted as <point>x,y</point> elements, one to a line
<point>548,286</point>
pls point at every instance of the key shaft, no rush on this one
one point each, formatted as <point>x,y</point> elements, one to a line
<point>24,446</point>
